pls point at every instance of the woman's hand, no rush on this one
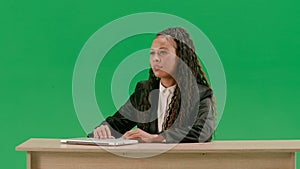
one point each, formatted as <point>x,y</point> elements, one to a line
<point>142,136</point>
<point>103,132</point>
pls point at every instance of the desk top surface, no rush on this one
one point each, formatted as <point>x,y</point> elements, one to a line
<point>54,145</point>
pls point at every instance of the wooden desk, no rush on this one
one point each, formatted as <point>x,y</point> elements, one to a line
<point>51,154</point>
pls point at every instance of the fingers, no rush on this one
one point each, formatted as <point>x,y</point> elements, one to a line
<point>129,134</point>
<point>142,136</point>
<point>107,131</point>
<point>96,134</point>
<point>102,131</point>
<point>135,134</point>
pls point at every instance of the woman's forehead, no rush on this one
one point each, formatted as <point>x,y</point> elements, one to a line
<point>163,42</point>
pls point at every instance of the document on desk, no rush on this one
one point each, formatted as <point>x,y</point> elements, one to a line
<point>99,142</point>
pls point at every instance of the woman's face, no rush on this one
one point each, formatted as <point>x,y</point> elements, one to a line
<point>163,57</point>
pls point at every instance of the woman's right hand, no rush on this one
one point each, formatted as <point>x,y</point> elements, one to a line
<point>103,132</point>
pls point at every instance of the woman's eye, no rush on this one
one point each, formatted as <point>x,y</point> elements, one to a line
<point>163,52</point>
<point>152,53</point>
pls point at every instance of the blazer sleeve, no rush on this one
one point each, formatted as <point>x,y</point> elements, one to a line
<point>201,129</point>
<point>125,118</point>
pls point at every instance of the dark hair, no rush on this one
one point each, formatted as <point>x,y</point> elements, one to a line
<point>185,50</point>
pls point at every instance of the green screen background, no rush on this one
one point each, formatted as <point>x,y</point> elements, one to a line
<point>257,41</point>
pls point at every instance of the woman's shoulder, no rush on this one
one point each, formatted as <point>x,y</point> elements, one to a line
<point>146,84</point>
<point>205,91</point>
<point>142,84</point>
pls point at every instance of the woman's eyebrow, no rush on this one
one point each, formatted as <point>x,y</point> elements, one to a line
<point>159,48</point>
<point>163,47</point>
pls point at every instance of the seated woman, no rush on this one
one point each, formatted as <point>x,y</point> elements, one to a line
<point>174,105</point>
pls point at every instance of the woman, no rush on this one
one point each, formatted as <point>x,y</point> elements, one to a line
<point>174,105</point>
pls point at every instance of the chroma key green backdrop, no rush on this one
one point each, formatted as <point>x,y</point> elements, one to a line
<point>257,41</point>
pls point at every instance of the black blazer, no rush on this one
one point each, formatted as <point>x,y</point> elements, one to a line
<point>198,127</point>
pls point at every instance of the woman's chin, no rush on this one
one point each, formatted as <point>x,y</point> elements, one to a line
<point>161,74</point>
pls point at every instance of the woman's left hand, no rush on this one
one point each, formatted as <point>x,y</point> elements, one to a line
<point>141,136</point>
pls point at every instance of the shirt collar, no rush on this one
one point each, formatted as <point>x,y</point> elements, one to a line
<point>167,90</point>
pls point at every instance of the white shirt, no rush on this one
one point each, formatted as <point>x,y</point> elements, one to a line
<point>165,97</point>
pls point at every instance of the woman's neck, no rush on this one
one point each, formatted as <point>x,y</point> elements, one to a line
<point>167,82</point>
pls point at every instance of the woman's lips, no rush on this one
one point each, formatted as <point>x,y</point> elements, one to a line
<point>156,67</point>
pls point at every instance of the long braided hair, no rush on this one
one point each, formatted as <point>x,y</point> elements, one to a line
<point>185,50</point>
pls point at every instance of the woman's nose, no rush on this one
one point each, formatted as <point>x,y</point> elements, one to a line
<point>156,58</point>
